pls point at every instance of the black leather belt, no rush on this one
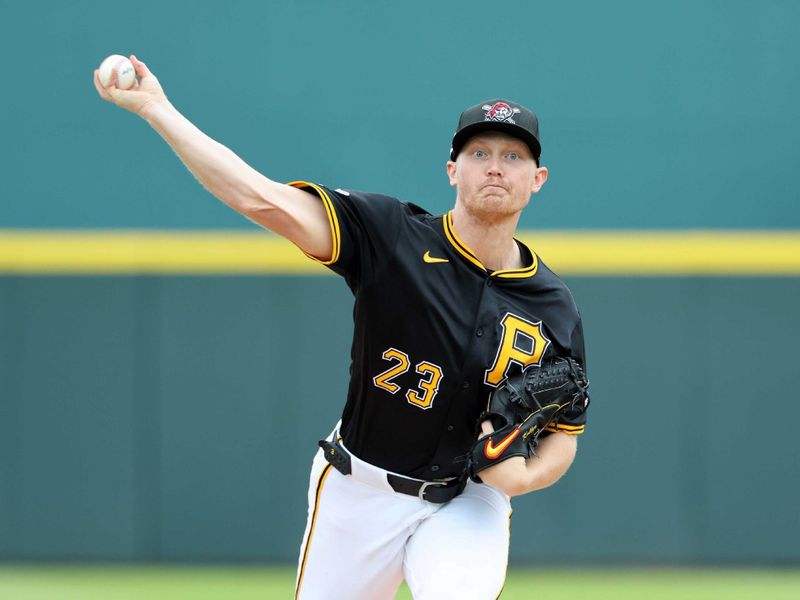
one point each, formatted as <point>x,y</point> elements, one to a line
<point>437,492</point>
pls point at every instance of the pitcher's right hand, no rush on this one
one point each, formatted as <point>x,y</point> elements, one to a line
<point>145,92</point>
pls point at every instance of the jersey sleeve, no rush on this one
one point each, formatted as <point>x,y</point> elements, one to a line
<point>364,229</point>
<point>573,420</point>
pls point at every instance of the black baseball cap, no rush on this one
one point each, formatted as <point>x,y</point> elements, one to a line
<point>498,115</point>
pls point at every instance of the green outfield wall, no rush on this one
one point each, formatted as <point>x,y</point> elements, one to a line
<point>155,347</point>
<point>174,418</point>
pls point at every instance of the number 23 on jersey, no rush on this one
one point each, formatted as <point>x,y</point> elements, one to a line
<point>522,342</point>
<point>430,378</point>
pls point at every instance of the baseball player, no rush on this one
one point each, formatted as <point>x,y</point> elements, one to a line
<point>446,308</point>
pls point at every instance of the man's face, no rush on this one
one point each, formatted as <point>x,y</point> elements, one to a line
<point>495,175</point>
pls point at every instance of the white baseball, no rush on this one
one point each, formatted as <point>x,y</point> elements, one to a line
<point>126,74</point>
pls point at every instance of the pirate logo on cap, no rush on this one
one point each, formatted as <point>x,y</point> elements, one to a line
<point>500,111</point>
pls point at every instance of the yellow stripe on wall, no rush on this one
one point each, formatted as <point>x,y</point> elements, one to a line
<point>599,253</point>
<point>158,252</point>
<point>750,253</point>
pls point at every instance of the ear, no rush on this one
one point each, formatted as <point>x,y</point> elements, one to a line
<point>451,172</point>
<point>539,179</point>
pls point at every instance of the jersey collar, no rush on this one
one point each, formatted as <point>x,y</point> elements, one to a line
<point>463,249</point>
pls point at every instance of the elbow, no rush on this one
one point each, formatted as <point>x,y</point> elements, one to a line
<point>546,481</point>
<point>274,218</point>
<point>243,199</point>
<point>263,210</point>
<point>516,484</point>
<point>255,201</point>
<point>280,208</point>
<point>551,464</point>
<point>258,208</point>
<point>517,487</point>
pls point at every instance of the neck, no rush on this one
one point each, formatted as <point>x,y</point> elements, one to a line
<point>491,241</point>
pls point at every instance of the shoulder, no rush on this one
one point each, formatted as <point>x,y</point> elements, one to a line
<point>382,203</point>
<point>379,197</point>
<point>547,275</point>
<point>546,280</point>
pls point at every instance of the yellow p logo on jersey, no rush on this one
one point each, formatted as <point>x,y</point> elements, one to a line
<point>523,343</point>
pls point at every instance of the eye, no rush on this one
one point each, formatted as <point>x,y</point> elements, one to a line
<point>513,156</point>
<point>479,154</point>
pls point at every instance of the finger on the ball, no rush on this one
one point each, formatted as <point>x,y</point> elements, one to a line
<point>140,68</point>
<point>112,80</point>
<point>109,93</point>
<point>99,87</point>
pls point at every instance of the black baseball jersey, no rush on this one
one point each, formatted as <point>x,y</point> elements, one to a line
<point>435,331</point>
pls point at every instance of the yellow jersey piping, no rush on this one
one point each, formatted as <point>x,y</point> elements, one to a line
<point>325,472</point>
<point>333,220</point>
<point>464,250</point>
<point>568,429</point>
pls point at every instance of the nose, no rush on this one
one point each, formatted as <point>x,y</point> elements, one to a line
<point>493,168</point>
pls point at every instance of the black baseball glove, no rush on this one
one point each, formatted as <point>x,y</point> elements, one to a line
<point>522,406</point>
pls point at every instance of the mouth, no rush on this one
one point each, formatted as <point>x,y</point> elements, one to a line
<point>495,186</point>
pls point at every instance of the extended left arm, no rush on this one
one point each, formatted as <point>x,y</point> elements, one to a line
<point>519,475</point>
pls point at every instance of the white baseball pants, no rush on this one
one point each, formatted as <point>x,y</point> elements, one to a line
<point>362,539</point>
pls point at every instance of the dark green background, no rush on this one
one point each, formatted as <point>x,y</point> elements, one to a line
<point>172,418</point>
<point>175,418</point>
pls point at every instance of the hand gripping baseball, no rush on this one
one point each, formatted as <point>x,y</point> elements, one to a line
<point>146,91</point>
<point>522,407</point>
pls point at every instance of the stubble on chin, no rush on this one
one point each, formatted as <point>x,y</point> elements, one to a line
<point>493,206</point>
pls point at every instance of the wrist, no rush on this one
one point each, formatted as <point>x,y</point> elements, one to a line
<point>154,110</point>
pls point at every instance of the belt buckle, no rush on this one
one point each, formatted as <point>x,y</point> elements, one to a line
<point>424,486</point>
